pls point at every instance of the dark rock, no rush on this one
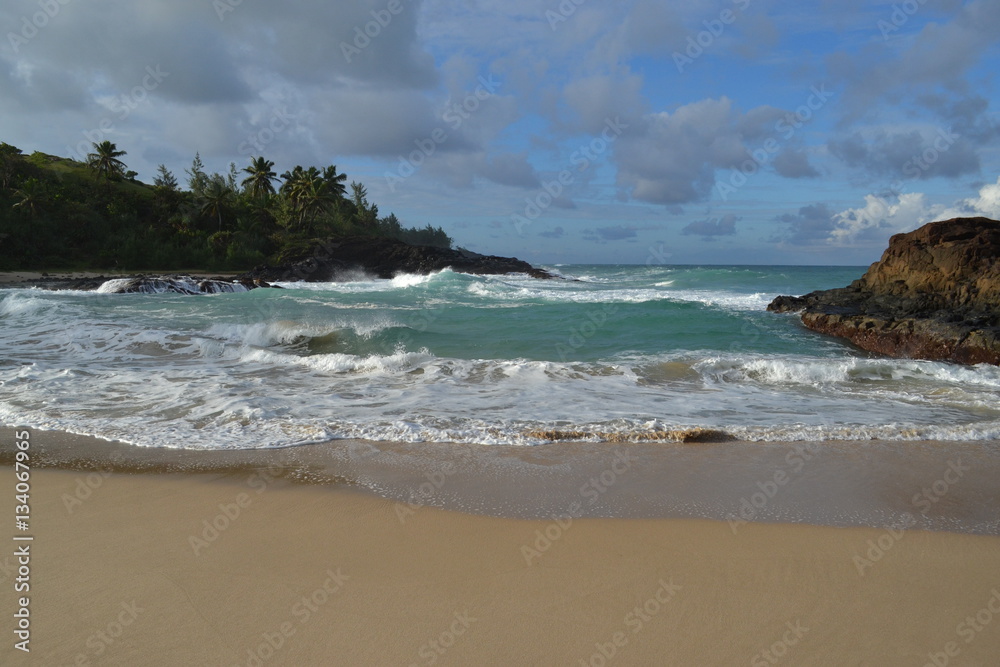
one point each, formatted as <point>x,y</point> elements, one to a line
<point>935,294</point>
<point>386,258</point>
<point>175,285</point>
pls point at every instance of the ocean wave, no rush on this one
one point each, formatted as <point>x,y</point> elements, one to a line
<point>18,305</point>
<point>293,332</point>
<point>859,371</point>
<point>725,299</point>
<point>235,425</point>
<point>360,282</point>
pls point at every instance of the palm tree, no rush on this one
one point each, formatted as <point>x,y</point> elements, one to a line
<point>104,161</point>
<point>215,199</point>
<point>290,178</point>
<point>30,195</point>
<point>314,197</point>
<point>261,218</point>
<point>258,183</point>
<point>335,180</point>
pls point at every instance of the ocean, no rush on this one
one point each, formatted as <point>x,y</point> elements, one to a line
<point>610,354</point>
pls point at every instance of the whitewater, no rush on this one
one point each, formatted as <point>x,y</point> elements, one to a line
<point>608,354</point>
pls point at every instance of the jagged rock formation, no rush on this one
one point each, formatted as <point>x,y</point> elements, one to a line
<point>386,258</point>
<point>935,294</point>
<point>176,285</point>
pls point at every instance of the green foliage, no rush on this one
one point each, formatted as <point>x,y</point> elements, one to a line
<point>104,161</point>
<point>165,179</point>
<point>54,216</point>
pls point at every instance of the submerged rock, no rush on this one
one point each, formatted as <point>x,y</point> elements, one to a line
<point>935,294</point>
<point>386,258</point>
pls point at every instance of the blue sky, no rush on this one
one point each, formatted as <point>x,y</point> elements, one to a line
<point>708,131</point>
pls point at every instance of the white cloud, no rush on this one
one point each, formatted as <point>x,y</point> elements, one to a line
<point>986,204</point>
<point>671,158</point>
<point>881,217</point>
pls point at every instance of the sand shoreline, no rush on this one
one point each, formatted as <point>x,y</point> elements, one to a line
<point>925,485</point>
<point>186,568</point>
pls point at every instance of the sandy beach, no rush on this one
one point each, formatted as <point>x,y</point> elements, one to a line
<point>257,566</point>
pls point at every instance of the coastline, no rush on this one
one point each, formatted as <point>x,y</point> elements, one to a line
<point>929,485</point>
<point>238,569</point>
<point>44,278</point>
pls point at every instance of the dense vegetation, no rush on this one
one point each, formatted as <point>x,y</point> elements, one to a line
<point>62,213</point>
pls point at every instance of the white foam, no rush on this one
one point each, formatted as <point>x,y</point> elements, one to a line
<point>725,299</point>
<point>16,305</point>
<point>224,372</point>
<point>405,280</point>
<point>112,286</point>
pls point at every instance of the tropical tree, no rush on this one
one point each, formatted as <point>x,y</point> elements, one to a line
<point>307,193</point>
<point>233,178</point>
<point>314,198</point>
<point>165,179</point>
<point>104,161</point>
<point>11,161</point>
<point>290,178</point>
<point>197,178</point>
<point>31,196</point>
<point>258,183</point>
<point>335,181</point>
<point>216,199</point>
<point>367,213</point>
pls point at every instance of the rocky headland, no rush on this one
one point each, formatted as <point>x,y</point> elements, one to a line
<point>329,261</point>
<point>386,258</point>
<point>935,294</point>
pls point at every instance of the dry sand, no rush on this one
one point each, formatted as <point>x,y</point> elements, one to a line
<point>319,575</point>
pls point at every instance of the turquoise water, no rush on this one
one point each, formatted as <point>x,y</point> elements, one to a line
<point>613,351</point>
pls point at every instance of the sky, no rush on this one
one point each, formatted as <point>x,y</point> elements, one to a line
<point>560,131</point>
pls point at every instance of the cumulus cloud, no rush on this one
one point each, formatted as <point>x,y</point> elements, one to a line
<point>794,164</point>
<point>226,64</point>
<point>920,153</point>
<point>595,99</point>
<point>940,54</point>
<point>671,158</point>
<point>985,204</point>
<point>371,93</point>
<point>882,217</point>
<point>724,226</point>
<point>811,224</point>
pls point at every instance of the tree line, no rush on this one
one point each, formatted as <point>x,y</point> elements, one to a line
<point>59,213</point>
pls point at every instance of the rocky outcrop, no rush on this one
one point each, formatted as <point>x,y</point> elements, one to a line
<point>177,285</point>
<point>935,294</point>
<point>386,258</point>
<point>143,284</point>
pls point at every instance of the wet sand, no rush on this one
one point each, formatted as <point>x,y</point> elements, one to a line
<point>280,564</point>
